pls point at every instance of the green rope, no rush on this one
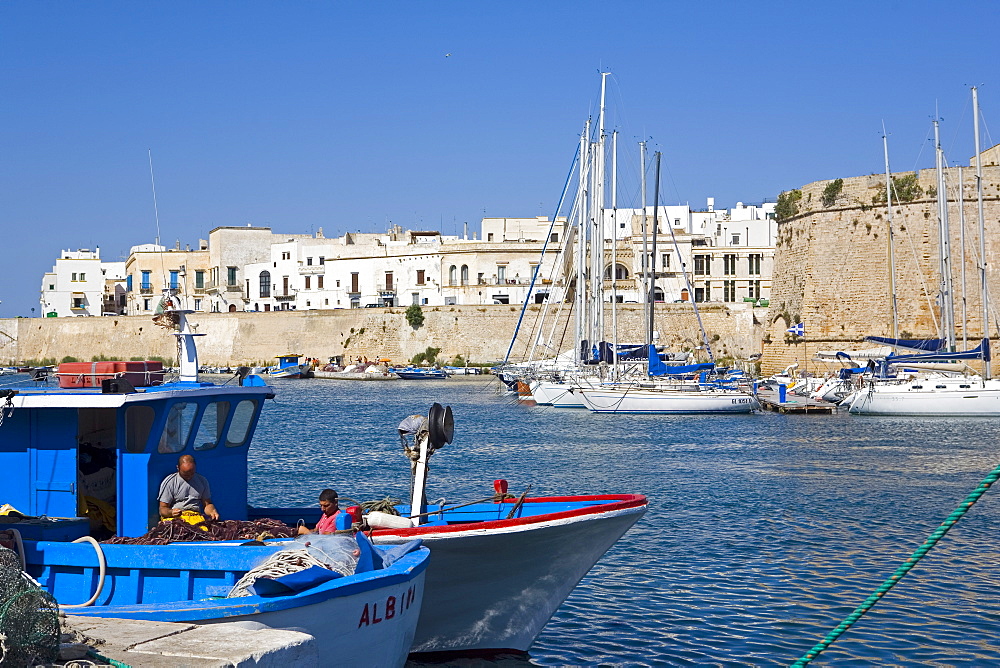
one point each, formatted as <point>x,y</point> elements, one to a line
<point>931,541</point>
<point>92,653</point>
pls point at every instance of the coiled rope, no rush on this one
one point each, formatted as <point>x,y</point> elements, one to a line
<point>905,568</point>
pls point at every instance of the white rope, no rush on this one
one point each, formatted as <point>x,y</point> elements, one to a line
<point>283,563</point>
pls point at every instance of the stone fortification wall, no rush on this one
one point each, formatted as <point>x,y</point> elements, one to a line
<point>477,333</point>
<point>832,266</point>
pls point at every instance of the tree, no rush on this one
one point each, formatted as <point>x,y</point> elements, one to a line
<point>415,316</point>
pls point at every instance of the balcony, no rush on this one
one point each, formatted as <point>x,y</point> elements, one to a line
<point>234,289</point>
<point>388,290</point>
<point>146,289</point>
<point>284,298</point>
<point>312,269</point>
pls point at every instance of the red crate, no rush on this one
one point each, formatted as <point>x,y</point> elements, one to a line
<point>90,374</point>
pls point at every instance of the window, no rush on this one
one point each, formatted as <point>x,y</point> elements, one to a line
<point>319,282</point>
<point>677,222</point>
<point>145,304</point>
<point>452,275</point>
<point>735,240</point>
<point>702,266</point>
<point>230,276</point>
<point>729,265</point>
<point>554,237</point>
<point>420,276</point>
<point>753,262</point>
<point>284,286</point>
<point>702,294</point>
<point>501,273</point>
<point>286,256</point>
<point>354,282</point>
<point>501,299</point>
<point>197,304</point>
<point>174,275</point>
<point>322,260</point>
<point>265,284</point>
<point>729,291</point>
<point>128,284</point>
<point>178,427</point>
<point>665,261</point>
<point>309,261</point>
<point>481,278</point>
<point>199,279</point>
<point>754,290</point>
<point>138,423</point>
<point>388,280</point>
<point>128,281</point>
<point>145,281</point>
<point>212,422</point>
<point>83,277</point>
<point>239,428</point>
<point>74,276</point>
<point>307,282</point>
<point>465,274</point>
<point>416,298</point>
<point>78,302</point>
<point>489,236</point>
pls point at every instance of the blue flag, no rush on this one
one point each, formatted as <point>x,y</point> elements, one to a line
<point>797,330</point>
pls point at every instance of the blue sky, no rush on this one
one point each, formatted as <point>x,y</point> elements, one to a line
<point>352,115</point>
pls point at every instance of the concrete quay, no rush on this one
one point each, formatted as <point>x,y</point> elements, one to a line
<point>145,644</point>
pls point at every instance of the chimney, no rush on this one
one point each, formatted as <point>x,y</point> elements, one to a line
<point>711,204</point>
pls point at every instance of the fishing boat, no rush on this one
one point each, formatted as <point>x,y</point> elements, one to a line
<point>502,565</point>
<point>88,461</point>
<point>288,366</point>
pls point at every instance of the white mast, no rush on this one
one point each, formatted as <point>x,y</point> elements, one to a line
<point>947,306</point>
<point>892,257</point>
<point>581,243</point>
<point>614,252</point>
<point>645,251</point>
<point>982,228</point>
<point>961,225</point>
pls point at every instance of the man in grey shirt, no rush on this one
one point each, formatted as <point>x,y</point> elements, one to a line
<point>186,490</point>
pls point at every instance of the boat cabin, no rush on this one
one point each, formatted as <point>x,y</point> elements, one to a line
<point>101,453</point>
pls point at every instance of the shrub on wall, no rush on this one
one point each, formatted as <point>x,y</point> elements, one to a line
<point>415,316</point>
<point>788,204</point>
<point>832,191</point>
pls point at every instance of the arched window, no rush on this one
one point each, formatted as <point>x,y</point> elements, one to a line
<point>621,272</point>
<point>465,274</point>
<point>453,275</point>
<point>265,284</point>
<point>657,295</point>
<point>232,308</point>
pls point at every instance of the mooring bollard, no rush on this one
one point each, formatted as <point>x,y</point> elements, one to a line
<point>781,393</point>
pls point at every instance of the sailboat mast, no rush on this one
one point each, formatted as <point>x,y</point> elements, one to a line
<point>614,252</point>
<point>580,296</point>
<point>651,296</point>
<point>645,251</point>
<point>892,256</point>
<point>597,271</point>
<point>982,228</point>
<point>961,237</point>
<point>947,307</point>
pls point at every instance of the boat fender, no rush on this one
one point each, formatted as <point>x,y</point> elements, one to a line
<point>379,520</point>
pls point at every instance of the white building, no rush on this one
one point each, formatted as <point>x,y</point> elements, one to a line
<point>81,285</point>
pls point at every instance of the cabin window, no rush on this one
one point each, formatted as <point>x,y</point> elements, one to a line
<point>138,424</point>
<point>212,422</point>
<point>239,428</point>
<point>175,434</point>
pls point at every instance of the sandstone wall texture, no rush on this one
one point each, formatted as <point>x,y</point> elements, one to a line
<point>478,333</point>
<point>832,267</point>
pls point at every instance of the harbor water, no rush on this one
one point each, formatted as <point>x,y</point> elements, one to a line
<point>763,532</point>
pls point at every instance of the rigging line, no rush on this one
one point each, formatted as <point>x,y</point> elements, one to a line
<point>916,162</point>
<point>156,214</point>
<point>923,282</point>
<point>545,244</point>
<point>958,126</point>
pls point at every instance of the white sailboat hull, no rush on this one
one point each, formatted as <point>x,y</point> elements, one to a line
<point>936,397</point>
<point>492,588</point>
<point>641,400</point>
<point>562,395</point>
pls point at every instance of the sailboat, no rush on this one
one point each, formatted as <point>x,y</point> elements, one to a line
<point>940,393</point>
<point>655,395</point>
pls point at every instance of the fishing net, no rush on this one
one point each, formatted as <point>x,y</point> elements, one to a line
<point>29,617</point>
<point>334,553</point>
<point>178,532</point>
